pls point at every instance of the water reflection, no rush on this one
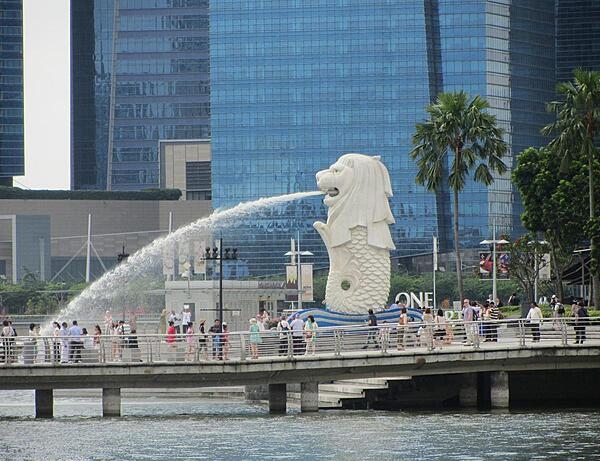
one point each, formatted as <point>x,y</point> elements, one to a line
<point>179,428</point>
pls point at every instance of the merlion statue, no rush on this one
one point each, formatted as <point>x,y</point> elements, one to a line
<point>357,233</point>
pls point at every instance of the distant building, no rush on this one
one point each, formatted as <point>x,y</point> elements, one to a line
<point>578,37</point>
<point>185,165</point>
<point>295,86</point>
<point>139,74</point>
<point>48,237</point>
<point>12,160</point>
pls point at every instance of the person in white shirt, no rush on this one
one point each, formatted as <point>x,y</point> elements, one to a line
<point>76,343</point>
<point>186,318</point>
<point>64,343</point>
<point>297,334</point>
<point>535,319</point>
<point>56,342</point>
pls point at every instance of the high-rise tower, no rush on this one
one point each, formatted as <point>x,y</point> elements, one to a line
<point>12,162</point>
<point>140,74</point>
<point>296,84</point>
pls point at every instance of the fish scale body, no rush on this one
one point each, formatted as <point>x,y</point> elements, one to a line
<point>367,273</point>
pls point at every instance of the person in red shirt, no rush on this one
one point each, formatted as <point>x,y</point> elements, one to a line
<point>171,333</point>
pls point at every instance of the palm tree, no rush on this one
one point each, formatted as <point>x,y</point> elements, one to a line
<point>465,129</point>
<point>577,126</point>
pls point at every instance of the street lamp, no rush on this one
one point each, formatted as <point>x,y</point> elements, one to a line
<point>292,254</point>
<point>494,242</point>
<point>217,255</point>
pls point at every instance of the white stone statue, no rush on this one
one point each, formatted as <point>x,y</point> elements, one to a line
<point>357,234</point>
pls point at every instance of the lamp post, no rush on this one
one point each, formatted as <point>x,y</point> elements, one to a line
<point>494,242</point>
<point>217,255</point>
<point>292,253</point>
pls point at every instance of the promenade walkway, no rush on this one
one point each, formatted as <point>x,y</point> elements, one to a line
<point>151,361</point>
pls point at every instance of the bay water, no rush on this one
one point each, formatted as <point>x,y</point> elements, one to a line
<point>179,427</point>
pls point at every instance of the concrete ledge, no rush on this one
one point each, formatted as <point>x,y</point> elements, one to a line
<point>275,370</point>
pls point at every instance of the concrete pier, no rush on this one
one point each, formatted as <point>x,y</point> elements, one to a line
<point>309,397</point>
<point>277,398</point>
<point>499,390</point>
<point>111,402</point>
<point>44,403</point>
<point>467,393</point>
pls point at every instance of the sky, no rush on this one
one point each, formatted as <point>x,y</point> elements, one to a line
<point>47,93</point>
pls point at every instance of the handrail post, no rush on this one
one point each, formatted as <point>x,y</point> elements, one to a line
<point>384,336</point>
<point>337,342</point>
<point>563,330</point>
<point>242,347</point>
<point>290,345</point>
<point>521,332</point>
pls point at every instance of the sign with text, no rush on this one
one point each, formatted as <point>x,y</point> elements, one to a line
<point>415,300</point>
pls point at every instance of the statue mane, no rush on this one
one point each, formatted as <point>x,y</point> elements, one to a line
<point>364,204</point>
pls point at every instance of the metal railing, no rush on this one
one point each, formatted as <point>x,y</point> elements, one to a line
<point>271,344</point>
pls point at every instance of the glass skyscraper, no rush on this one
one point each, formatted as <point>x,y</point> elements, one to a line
<point>578,37</point>
<point>297,83</point>
<point>12,161</point>
<point>140,74</point>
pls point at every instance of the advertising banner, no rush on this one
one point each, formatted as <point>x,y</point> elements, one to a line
<point>307,282</point>
<point>183,256</point>
<point>486,264</point>
<point>168,260</point>
<point>200,257</point>
<point>291,282</point>
<point>544,267</point>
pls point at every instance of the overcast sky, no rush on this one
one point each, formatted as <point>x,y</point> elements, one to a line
<point>46,69</point>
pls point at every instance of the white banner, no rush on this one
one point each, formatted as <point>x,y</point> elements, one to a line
<point>200,257</point>
<point>183,256</point>
<point>168,259</point>
<point>544,267</point>
<point>435,253</point>
<point>307,282</point>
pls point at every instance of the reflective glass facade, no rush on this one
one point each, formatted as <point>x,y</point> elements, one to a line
<point>297,83</point>
<point>11,91</point>
<point>578,36</point>
<point>140,73</point>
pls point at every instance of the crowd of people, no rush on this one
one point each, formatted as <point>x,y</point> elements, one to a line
<point>71,343</point>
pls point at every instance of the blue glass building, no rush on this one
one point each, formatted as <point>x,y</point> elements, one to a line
<point>140,74</point>
<point>578,37</point>
<point>12,161</point>
<point>297,83</point>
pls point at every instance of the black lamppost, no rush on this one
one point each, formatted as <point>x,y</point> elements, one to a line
<point>217,255</point>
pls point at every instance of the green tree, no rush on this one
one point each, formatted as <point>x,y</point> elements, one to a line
<point>463,128</point>
<point>523,268</point>
<point>554,203</point>
<point>577,128</point>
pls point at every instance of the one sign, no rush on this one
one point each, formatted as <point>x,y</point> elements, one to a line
<point>414,300</point>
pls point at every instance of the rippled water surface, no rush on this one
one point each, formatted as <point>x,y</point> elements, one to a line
<point>189,429</point>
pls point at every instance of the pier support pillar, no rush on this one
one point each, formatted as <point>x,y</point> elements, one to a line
<point>256,392</point>
<point>309,397</point>
<point>111,402</point>
<point>499,390</point>
<point>277,398</point>
<point>467,394</point>
<point>44,403</point>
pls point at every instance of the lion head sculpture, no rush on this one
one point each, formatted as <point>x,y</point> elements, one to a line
<point>357,187</point>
